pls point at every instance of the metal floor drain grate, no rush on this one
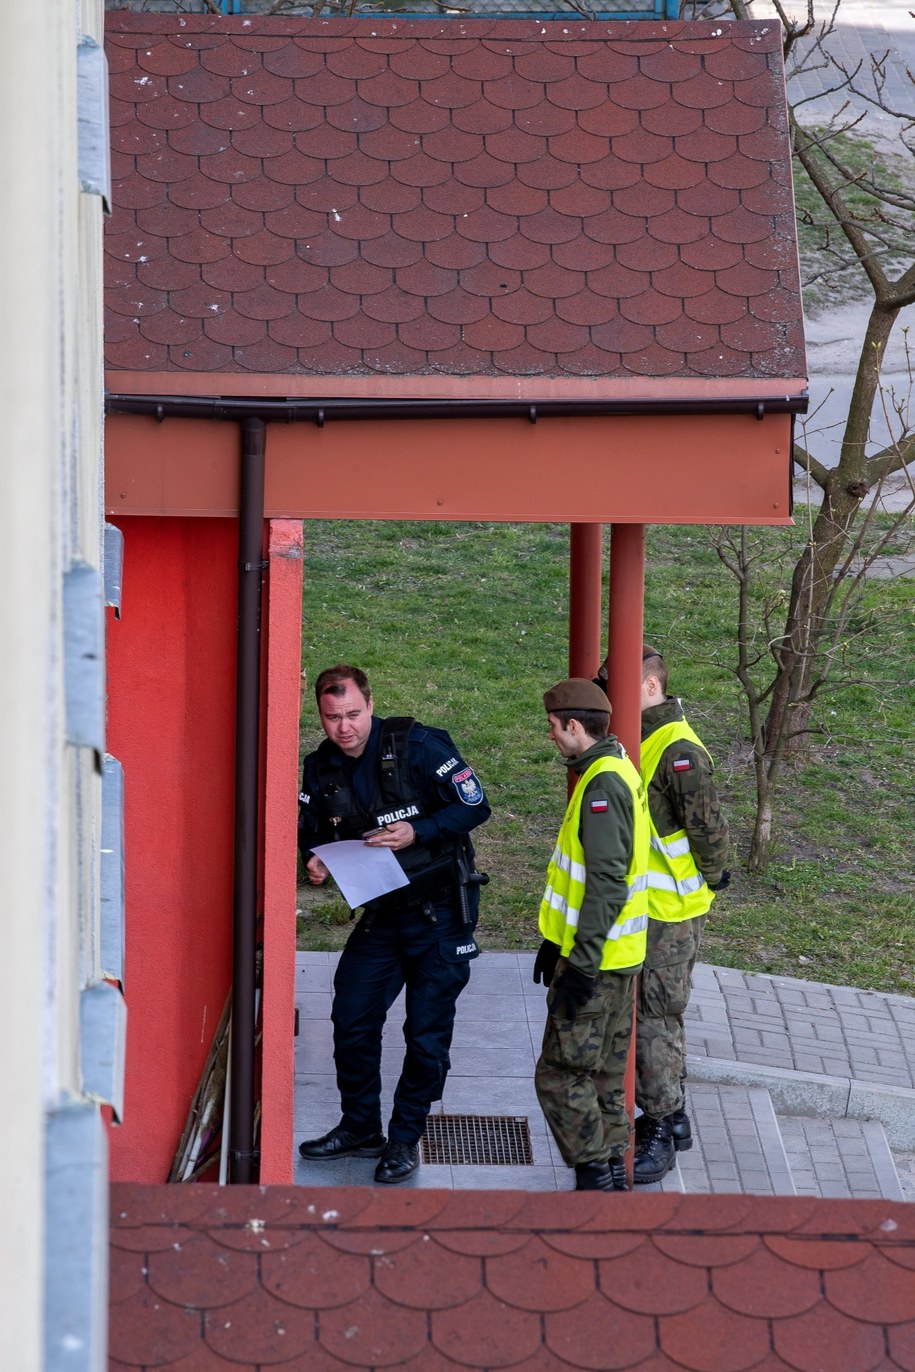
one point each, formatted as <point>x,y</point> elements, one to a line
<point>477,1140</point>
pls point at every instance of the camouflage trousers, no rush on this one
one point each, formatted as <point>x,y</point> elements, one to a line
<point>581,1070</point>
<point>660,1039</point>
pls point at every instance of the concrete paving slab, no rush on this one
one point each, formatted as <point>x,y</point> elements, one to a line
<point>736,1143</point>
<point>840,1158</point>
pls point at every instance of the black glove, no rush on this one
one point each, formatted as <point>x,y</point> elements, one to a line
<point>546,960</point>
<point>723,881</point>
<point>572,990</point>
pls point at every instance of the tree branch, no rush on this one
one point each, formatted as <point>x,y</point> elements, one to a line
<point>810,466</point>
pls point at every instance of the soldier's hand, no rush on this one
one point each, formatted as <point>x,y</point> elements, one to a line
<point>545,962</point>
<point>723,881</point>
<point>571,992</point>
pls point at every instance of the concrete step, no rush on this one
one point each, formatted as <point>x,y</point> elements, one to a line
<point>840,1158</point>
<point>741,1145</point>
<point>737,1146</point>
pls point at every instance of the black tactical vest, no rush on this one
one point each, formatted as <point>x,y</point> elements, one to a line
<point>396,796</point>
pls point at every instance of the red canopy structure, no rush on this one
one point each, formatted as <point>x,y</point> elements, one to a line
<point>402,269</point>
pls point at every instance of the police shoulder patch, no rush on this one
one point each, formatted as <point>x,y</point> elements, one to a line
<point>468,788</point>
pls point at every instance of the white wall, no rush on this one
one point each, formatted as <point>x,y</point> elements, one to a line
<point>50,513</point>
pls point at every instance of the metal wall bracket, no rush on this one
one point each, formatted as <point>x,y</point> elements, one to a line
<point>92,119</point>
<point>114,567</point>
<point>84,657</point>
<point>111,928</point>
<point>103,1038</point>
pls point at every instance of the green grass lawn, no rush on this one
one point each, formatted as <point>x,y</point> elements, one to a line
<point>465,625</point>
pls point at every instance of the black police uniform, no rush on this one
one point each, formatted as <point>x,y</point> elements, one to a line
<point>420,936</point>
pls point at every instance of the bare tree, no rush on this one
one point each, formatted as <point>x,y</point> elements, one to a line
<point>794,636</point>
<point>760,562</point>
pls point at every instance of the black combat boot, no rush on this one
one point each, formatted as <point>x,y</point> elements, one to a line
<point>601,1176</point>
<point>681,1131</point>
<point>679,1128</point>
<point>655,1152</point>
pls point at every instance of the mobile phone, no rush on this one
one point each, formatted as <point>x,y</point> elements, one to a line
<point>370,833</point>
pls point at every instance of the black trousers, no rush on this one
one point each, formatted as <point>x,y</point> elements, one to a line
<point>384,954</point>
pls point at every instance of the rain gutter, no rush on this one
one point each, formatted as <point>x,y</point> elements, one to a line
<point>319,411</point>
<point>242,1156</point>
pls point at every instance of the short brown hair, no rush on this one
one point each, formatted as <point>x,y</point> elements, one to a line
<point>332,681</point>
<point>653,664</point>
<point>596,723</point>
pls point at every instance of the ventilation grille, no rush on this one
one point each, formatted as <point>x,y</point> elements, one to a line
<point>477,1140</point>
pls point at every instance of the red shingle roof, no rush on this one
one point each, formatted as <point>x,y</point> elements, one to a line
<point>480,198</point>
<point>206,1279</point>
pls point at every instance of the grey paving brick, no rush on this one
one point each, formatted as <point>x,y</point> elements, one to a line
<point>826,1030</point>
<point>890,1058</point>
<point>768,1057</point>
<point>768,1008</point>
<point>803,1043</point>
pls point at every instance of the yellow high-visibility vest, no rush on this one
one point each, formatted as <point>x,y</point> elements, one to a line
<point>676,888</point>
<point>566,876</point>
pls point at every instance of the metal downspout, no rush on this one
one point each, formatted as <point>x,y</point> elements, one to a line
<point>247,765</point>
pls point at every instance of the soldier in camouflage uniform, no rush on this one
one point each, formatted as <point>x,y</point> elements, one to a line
<point>594,918</point>
<point>689,841</point>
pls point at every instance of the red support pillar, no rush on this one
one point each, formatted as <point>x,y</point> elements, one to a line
<point>624,686</point>
<point>282,618</point>
<point>585,583</point>
<point>626,625</point>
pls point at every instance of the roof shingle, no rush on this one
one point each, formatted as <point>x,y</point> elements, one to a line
<point>206,1279</point>
<point>484,198</point>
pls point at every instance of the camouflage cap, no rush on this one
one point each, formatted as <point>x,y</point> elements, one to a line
<point>575,693</point>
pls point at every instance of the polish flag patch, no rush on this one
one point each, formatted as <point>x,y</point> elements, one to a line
<point>681,764</point>
<point>598,807</point>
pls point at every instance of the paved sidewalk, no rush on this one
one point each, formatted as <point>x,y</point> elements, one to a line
<point>864,29</point>
<point>834,1056</point>
<point>826,1049</point>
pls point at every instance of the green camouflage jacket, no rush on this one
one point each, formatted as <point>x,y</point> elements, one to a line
<point>686,798</point>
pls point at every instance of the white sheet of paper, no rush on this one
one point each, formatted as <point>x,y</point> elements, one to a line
<point>361,872</point>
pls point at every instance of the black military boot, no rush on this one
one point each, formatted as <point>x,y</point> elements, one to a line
<point>679,1128</point>
<point>655,1152</point>
<point>601,1176</point>
<point>681,1131</point>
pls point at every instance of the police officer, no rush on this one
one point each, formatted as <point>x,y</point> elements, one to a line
<point>399,785</point>
<point>593,918</point>
<point>689,847</point>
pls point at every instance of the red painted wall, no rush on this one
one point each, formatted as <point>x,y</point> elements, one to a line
<point>171,722</point>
